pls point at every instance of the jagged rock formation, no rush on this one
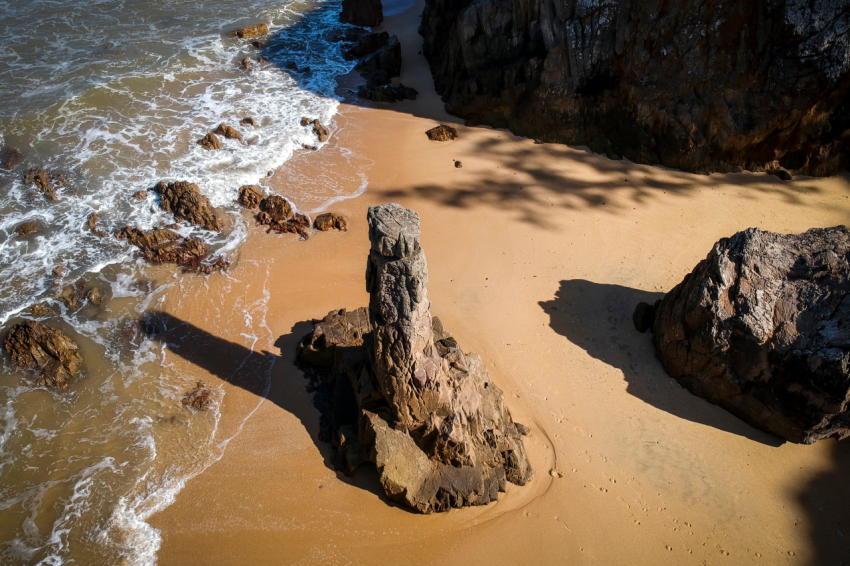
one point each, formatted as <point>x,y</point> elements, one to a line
<point>46,181</point>
<point>250,196</point>
<point>363,13</point>
<point>697,85</point>
<point>210,142</point>
<point>321,132</point>
<point>47,353</point>
<point>403,395</point>
<point>228,132</point>
<point>165,246</point>
<point>27,229</point>
<point>442,133</point>
<point>185,201</point>
<point>761,327</point>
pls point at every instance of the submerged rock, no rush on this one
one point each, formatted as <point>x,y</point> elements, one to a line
<point>165,246</point>
<point>92,225</point>
<point>209,142</point>
<point>321,131</point>
<point>46,181</point>
<point>402,394</point>
<point>248,32</point>
<point>185,201</point>
<point>363,13</point>
<point>248,121</point>
<point>228,132</point>
<point>41,311</point>
<point>10,158</point>
<point>74,295</point>
<point>442,133</point>
<point>761,327</point>
<point>325,222</point>
<point>52,357</point>
<point>27,229</point>
<point>250,196</point>
<point>199,398</point>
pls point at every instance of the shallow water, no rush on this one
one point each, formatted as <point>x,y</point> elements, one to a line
<point>81,471</point>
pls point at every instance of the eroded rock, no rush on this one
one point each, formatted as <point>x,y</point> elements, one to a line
<point>10,158</point>
<point>248,121</point>
<point>41,310</point>
<point>442,133</point>
<point>208,142</point>
<point>398,391</point>
<point>185,201</point>
<point>325,222</point>
<point>761,327</point>
<point>48,354</point>
<point>46,181</point>
<point>248,32</point>
<point>228,132</point>
<point>162,245</point>
<point>200,398</point>
<point>91,222</point>
<point>321,131</point>
<point>27,229</point>
<point>250,196</point>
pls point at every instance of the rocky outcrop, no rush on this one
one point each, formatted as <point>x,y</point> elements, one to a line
<point>210,142</point>
<point>185,201</point>
<point>401,393</point>
<point>248,121</point>
<point>250,196</point>
<point>41,311</point>
<point>46,181</point>
<point>442,133</point>
<point>366,44</point>
<point>761,327</point>
<point>73,296</point>
<point>383,64</point>
<point>255,30</point>
<point>363,13</point>
<point>321,132</point>
<point>698,85</point>
<point>50,356</point>
<point>10,158</point>
<point>199,398</point>
<point>165,246</point>
<point>91,223</point>
<point>386,93</point>
<point>228,132</point>
<point>329,220</point>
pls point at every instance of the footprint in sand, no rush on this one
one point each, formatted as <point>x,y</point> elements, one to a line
<point>668,547</point>
<point>556,473</point>
<point>603,490</point>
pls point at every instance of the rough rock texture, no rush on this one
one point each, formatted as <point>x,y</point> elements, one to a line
<point>46,181</point>
<point>210,142</point>
<point>250,196</point>
<point>10,158</point>
<point>325,222</point>
<point>761,327</point>
<point>321,131</point>
<point>91,223</point>
<point>165,246</point>
<point>41,310</point>
<point>73,296</point>
<point>255,30</point>
<point>248,121</point>
<point>185,201</point>
<point>442,133</point>
<point>364,13</point>
<point>366,44</point>
<point>52,357</point>
<point>399,391</point>
<point>383,64</point>
<point>698,85</point>
<point>199,398</point>
<point>228,132</point>
<point>27,229</point>
<point>386,93</point>
<point>275,208</point>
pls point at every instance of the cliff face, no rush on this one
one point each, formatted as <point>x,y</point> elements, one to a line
<point>697,85</point>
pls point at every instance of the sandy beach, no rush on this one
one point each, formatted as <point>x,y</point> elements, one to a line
<point>538,254</point>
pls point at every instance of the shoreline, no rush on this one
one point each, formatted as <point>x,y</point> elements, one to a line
<point>538,255</point>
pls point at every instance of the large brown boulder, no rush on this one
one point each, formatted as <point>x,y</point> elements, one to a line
<point>761,327</point>
<point>403,395</point>
<point>47,353</point>
<point>228,132</point>
<point>185,201</point>
<point>250,196</point>
<point>363,13</point>
<point>210,142</point>
<point>697,85</point>
<point>165,246</point>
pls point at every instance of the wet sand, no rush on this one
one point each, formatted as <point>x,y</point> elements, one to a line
<point>537,255</point>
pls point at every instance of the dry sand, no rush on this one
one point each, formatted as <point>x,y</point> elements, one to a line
<point>537,256</point>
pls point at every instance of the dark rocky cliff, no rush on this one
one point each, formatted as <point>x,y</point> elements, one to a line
<point>698,85</point>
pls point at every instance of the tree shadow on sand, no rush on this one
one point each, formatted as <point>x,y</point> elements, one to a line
<point>598,318</point>
<point>274,377</point>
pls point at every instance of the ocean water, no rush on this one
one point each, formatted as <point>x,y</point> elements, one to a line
<point>114,95</point>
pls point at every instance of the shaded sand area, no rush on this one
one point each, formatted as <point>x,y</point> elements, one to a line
<point>538,255</point>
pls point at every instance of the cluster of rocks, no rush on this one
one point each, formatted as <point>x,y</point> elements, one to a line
<point>211,141</point>
<point>276,212</point>
<point>46,181</point>
<point>396,389</point>
<point>698,85</point>
<point>250,32</point>
<point>761,327</point>
<point>320,131</point>
<point>74,296</point>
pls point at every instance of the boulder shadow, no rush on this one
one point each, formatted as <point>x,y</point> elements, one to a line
<point>274,377</point>
<point>598,318</point>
